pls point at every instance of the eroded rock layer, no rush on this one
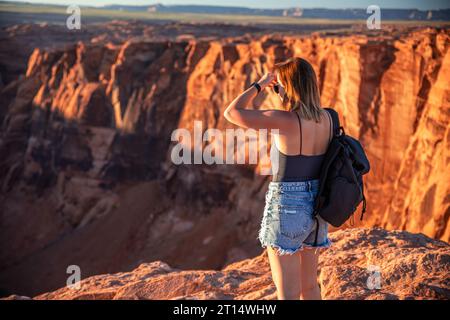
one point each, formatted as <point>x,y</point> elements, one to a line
<point>362,264</point>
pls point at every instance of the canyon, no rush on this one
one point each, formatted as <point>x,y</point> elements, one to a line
<point>85,171</point>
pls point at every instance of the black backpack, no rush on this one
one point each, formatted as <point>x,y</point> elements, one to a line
<point>341,187</point>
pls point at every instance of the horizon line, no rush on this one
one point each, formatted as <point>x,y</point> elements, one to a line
<point>43,2</point>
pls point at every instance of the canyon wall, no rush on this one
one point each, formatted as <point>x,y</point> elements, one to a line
<point>85,145</point>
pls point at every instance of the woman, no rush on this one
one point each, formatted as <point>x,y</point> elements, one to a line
<point>288,229</point>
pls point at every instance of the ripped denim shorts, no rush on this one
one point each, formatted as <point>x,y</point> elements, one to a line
<point>288,223</point>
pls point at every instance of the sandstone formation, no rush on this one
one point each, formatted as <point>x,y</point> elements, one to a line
<point>409,266</point>
<point>19,39</point>
<point>85,169</point>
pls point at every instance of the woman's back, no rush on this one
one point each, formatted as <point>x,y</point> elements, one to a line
<point>300,148</point>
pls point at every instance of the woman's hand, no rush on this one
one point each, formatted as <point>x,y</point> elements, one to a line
<point>256,119</point>
<point>266,80</point>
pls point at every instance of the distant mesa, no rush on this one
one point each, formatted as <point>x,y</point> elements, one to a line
<point>298,12</point>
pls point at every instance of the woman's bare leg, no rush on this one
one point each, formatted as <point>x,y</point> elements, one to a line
<point>310,287</point>
<point>285,274</point>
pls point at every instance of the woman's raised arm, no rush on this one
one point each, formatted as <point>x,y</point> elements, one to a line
<point>256,119</point>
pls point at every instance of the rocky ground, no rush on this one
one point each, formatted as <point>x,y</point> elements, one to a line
<point>410,266</point>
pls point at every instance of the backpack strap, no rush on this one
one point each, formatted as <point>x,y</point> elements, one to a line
<point>331,128</point>
<point>334,115</point>
<point>316,235</point>
<point>300,126</point>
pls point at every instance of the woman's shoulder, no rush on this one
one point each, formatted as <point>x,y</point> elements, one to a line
<point>329,109</point>
<point>279,113</point>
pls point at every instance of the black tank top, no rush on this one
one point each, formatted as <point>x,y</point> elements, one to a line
<point>298,167</point>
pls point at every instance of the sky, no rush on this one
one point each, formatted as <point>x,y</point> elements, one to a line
<point>332,4</point>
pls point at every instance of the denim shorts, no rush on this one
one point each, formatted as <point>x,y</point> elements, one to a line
<point>288,223</point>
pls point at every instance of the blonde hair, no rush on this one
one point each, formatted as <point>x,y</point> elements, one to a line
<point>301,91</point>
